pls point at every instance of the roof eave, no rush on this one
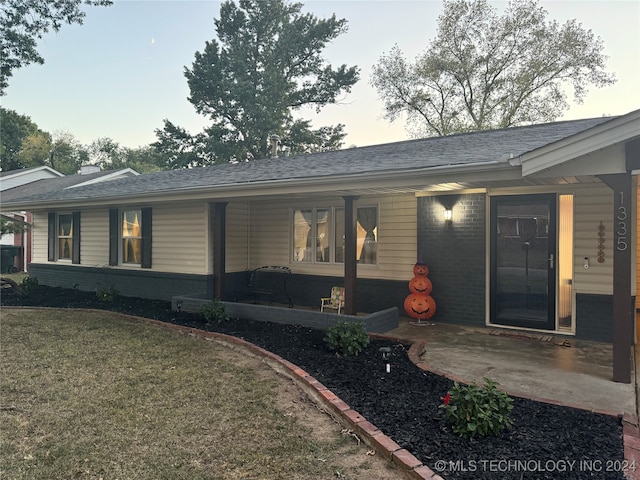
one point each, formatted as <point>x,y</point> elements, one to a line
<point>617,130</point>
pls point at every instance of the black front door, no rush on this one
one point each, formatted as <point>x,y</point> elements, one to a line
<point>523,260</point>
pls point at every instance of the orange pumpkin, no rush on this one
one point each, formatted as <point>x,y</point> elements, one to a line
<point>419,306</point>
<point>420,285</point>
<point>420,270</point>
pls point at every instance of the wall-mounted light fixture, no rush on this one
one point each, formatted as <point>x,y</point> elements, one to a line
<point>448,214</point>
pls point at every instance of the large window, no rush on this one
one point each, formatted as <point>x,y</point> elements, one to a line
<point>65,236</point>
<point>318,235</point>
<point>131,236</point>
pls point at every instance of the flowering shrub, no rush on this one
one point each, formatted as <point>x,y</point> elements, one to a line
<point>477,411</point>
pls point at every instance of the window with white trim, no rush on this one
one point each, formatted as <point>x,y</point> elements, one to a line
<point>318,235</point>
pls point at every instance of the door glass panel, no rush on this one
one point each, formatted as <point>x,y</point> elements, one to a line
<point>523,258</point>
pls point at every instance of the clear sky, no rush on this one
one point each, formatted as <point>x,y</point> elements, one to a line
<point>121,73</point>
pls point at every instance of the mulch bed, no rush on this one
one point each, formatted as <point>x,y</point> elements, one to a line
<point>545,442</point>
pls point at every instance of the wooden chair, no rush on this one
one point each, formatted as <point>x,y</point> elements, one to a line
<point>335,301</point>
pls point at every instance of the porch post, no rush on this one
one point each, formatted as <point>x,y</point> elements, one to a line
<point>350,248</point>
<point>219,249</point>
<point>623,329</point>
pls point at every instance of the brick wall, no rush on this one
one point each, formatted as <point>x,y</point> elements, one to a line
<point>594,317</point>
<point>455,254</point>
<point>130,283</point>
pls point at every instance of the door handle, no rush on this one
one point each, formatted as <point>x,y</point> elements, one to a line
<point>550,260</point>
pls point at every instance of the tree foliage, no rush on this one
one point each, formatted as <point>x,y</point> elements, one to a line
<point>24,145</point>
<point>484,70</point>
<point>14,130</point>
<point>24,22</point>
<point>265,64</point>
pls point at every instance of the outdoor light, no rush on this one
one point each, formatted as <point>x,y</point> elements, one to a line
<point>386,353</point>
<point>448,214</point>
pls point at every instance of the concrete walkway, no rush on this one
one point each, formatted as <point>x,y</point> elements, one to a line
<point>572,372</point>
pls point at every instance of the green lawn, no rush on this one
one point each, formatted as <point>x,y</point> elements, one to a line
<point>94,395</point>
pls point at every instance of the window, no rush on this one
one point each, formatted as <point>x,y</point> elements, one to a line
<point>311,233</point>
<point>64,237</point>
<point>318,235</point>
<point>131,235</point>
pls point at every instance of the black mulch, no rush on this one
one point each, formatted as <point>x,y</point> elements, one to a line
<point>545,442</point>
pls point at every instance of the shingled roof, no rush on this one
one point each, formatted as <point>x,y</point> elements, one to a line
<point>477,148</point>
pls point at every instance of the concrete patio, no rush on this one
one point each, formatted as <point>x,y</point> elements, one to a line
<point>545,367</point>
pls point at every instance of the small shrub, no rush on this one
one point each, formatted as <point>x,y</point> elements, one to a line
<point>214,312</point>
<point>107,295</point>
<point>347,338</point>
<point>29,284</point>
<point>477,411</point>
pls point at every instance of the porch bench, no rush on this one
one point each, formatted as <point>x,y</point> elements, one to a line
<point>268,283</point>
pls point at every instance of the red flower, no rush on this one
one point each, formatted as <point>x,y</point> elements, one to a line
<point>446,399</point>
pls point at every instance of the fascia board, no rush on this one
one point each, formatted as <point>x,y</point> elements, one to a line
<point>601,136</point>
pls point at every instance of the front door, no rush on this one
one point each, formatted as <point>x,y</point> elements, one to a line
<point>523,260</point>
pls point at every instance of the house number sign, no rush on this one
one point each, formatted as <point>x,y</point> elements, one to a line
<point>622,223</point>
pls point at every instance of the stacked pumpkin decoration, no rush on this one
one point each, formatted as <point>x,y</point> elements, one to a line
<point>419,304</point>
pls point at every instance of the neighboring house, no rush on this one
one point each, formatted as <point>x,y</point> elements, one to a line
<point>14,179</point>
<point>542,234</point>
<point>41,180</point>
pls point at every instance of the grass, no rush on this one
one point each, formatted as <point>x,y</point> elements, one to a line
<point>95,395</point>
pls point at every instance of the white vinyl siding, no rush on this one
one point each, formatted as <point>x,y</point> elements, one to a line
<point>592,206</point>
<point>179,238</point>
<point>40,235</point>
<point>94,237</point>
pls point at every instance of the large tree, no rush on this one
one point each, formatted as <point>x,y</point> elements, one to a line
<point>484,70</point>
<point>24,22</point>
<point>265,65</point>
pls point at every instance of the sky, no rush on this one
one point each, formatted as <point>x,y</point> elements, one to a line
<point>122,72</point>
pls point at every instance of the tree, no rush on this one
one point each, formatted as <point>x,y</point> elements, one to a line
<point>14,130</point>
<point>23,22</point>
<point>67,155</point>
<point>265,65</point>
<point>488,71</point>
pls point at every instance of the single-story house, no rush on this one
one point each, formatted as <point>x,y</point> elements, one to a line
<point>539,235</point>
<point>38,180</point>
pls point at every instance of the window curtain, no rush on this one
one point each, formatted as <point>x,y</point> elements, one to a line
<point>303,239</point>
<point>368,219</point>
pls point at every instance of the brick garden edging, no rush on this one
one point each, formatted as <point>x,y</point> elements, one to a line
<point>408,464</point>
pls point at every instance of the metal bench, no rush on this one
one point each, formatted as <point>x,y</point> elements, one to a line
<point>268,283</point>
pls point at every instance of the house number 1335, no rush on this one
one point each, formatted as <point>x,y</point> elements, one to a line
<point>621,229</point>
